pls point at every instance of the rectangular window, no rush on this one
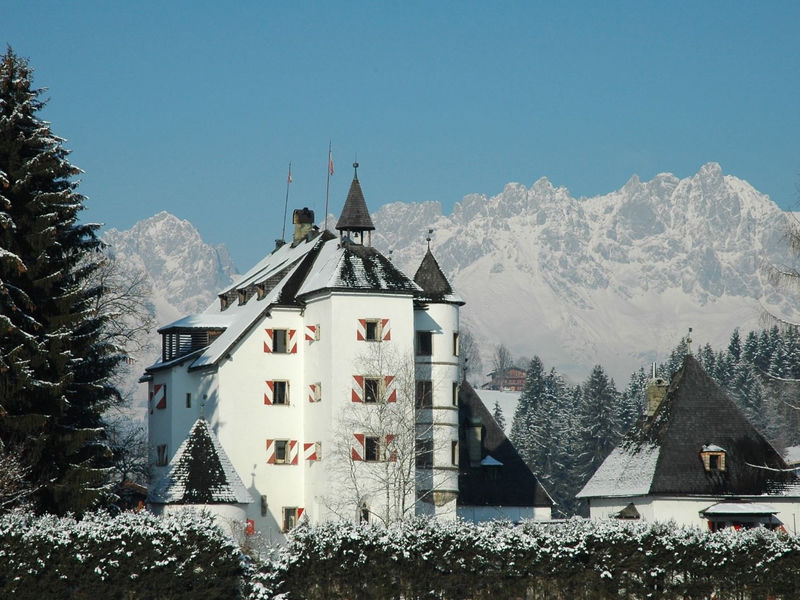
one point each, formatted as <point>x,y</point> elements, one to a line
<point>281,451</point>
<point>424,343</point>
<point>372,390</point>
<point>372,331</point>
<point>372,449</point>
<point>455,344</point>
<point>424,456</point>
<point>188,400</point>
<point>424,394</point>
<point>280,392</point>
<point>279,345</point>
<point>289,518</point>
<point>454,453</point>
<point>455,393</point>
<point>161,455</point>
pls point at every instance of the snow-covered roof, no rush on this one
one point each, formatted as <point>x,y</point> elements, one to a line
<point>201,321</point>
<point>434,284</point>
<point>626,472</point>
<point>739,508</point>
<point>661,455</point>
<point>200,473</point>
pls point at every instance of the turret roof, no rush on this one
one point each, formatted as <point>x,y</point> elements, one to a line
<point>355,216</point>
<point>434,284</point>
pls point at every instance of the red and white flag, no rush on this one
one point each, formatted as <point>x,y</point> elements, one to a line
<point>330,162</point>
<point>289,178</point>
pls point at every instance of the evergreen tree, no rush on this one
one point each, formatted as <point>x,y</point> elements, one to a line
<point>54,371</point>
<point>497,413</point>
<point>600,427</point>
<point>633,400</point>
<point>522,423</point>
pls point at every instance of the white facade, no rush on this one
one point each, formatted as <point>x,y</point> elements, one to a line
<point>685,511</point>
<point>298,421</point>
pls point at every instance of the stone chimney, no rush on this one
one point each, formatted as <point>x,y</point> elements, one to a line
<point>656,392</point>
<point>303,219</point>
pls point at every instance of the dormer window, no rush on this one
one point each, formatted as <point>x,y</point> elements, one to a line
<point>713,458</point>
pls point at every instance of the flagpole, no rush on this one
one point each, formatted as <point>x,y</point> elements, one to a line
<point>328,185</point>
<point>286,203</point>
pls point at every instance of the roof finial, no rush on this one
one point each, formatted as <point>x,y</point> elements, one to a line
<point>689,342</point>
<point>429,237</point>
<point>355,168</point>
<point>203,411</point>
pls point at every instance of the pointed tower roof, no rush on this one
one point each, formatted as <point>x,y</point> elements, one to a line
<point>200,473</point>
<point>661,455</point>
<point>355,216</point>
<point>434,284</point>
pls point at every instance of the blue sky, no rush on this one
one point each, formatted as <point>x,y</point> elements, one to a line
<point>197,107</point>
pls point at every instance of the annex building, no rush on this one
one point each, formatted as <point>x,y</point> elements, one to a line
<point>695,459</point>
<point>325,385</point>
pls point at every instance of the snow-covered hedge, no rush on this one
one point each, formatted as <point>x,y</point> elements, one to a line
<point>133,555</point>
<point>140,556</point>
<point>577,559</point>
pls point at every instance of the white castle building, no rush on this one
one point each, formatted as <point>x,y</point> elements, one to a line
<point>325,384</point>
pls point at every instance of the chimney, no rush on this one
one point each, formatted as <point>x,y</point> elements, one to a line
<point>303,219</point>
<point>655,393</point>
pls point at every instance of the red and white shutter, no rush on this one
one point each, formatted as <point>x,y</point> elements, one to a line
<point>315,392</point>
<point>310,451</point>
<point>357,450</point>
<point>390,388</point>
<point>361,330</point>
<point>300,512</point>
<point>160,395</point>
<point>391,452</point>
<point>292,343</point>
<point>312,333</point>
<point>268,342</point>
<point>386,330</point>
<point>271,452</point>
<point>358,388</point>
<point>294,448</point>
<point>269,395</point>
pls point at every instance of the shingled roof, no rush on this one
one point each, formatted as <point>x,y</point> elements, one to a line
<point>200,473</point>
<point>661,455</point>
<point>502,478</point>
<point>434,284</point>
<point>355,216</point>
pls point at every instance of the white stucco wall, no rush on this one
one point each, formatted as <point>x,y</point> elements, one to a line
<point>685,511</point>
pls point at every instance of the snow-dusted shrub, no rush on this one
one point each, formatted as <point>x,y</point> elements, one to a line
<point>133,555</point>
<point>576,559</point>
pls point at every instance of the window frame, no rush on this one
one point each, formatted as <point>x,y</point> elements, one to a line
<point>423,458</point>
<point>162,459</point>
<point>285,445</point>
<point>454,449</point>
<point>424,343</point>
<point>283,335</point>
<point>289,518</point>
<point>376,383</point>
<point>456,344</point>
<point>375,324</point>
<point>423,393</point>
<point>373,447</point>
<point>284,399</point>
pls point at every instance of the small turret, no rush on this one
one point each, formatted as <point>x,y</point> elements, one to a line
<point>355,219</point>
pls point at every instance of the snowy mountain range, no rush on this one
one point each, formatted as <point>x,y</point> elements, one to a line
<point>615,279</point>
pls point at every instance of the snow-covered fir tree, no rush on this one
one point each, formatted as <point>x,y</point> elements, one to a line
<point>53,369</point>
<point>600,427</point>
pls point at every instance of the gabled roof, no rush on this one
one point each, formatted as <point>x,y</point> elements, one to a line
<point>200,473</point>
<point>434,284</point>
<point>661,455</point>
<point>504,479</point>
<point>355,216</point>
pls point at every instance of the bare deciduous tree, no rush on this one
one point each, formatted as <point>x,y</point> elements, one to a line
<point>502,362</point>
<point>15,489</point>
<point>379,482</point>
<point>469,357</point>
